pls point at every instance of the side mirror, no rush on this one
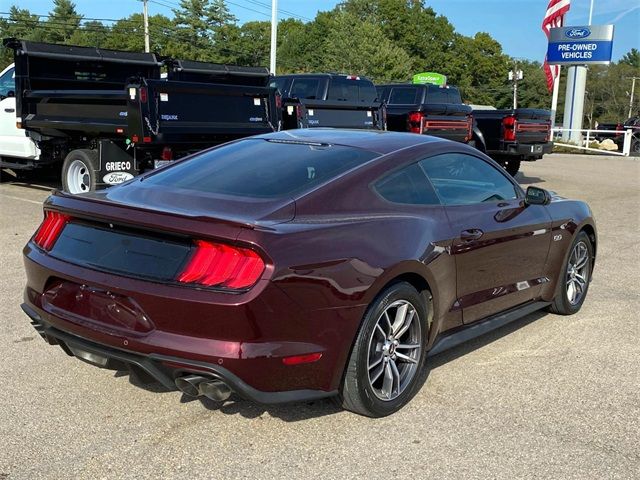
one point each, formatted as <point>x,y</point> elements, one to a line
<point>537,196</point>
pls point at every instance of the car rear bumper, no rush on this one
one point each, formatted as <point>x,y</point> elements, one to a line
<point>162,368</point>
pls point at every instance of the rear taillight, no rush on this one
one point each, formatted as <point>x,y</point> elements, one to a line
<point>219,265</point>
<point>143,95</point>
<point>278,100</point>
<point>469,128</point>
<point>50,230</point>
<point>509,129</point>
<point>415,122</point>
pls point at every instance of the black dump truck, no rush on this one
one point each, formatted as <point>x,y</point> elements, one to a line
<point>429,110</point>
<point>515,135</point>
<point>109,115</point>
<point>329,100</point>
<point>508,136</point>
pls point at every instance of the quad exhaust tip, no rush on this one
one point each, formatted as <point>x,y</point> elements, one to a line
<point>196,385</point>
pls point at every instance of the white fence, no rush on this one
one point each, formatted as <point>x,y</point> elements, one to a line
<point>587,136</point>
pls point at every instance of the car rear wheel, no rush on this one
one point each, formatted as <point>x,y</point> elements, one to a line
<point>573,283</point>
<point>78,171</point>
<point>384,370</point>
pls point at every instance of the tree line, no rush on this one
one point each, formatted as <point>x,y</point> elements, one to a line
<point>386,40</point>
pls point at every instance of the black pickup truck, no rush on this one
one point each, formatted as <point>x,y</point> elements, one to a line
<point>108,115</point>
<point>508,136</point>
<point>328,100</point>
<point>428,110</point>
<point>512,136</point>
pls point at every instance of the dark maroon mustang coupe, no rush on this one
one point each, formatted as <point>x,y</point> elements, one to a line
<point>303,264</point>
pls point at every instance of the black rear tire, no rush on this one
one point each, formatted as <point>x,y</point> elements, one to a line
<point>358,393</point>
<point>79,171</point>
<point>562,304</point>
<point>512,166</point>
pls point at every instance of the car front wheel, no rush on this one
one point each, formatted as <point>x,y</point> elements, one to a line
<point>387,360</point>
<point>573,283</point>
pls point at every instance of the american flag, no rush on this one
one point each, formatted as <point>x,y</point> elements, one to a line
<point>553,18</point>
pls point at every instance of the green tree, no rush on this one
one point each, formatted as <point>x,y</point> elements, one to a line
<point>344,50</point>
<point>199,22</point>
<point>632,58</point>
<point>63,21</point>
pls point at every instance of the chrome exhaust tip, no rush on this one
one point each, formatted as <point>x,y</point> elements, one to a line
<point>189,384</point>
<point>215,390</point>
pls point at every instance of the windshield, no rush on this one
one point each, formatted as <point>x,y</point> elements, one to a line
<point>261,168</point>
<point>7,82</point>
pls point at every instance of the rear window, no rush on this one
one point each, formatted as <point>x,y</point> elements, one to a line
<point>403,95</point>
<point>437,94</point>
<point>305,88</point>
<point>261,168</point>
<point>351,90</point>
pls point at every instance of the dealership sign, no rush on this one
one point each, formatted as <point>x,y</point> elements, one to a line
<point>430,77</point>
<point>580,45</point>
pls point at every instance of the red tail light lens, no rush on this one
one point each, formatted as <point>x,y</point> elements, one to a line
<point>216,264</point>
<point>278,100</point>
<point>167,153</point>
<point>509,129</point>
<point>143,95</point>
<point>415,122</point>
<point>50,229</point>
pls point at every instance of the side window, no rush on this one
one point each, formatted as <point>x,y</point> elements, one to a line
<point>462,179</point>
<point>278,83</point>
<point>409,186</point>
<point>8,82</point>
<point>305,88</point>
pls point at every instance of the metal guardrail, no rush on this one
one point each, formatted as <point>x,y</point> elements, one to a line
<point>588,137</point>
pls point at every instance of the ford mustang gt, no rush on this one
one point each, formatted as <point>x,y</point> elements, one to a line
<point>303,264</point>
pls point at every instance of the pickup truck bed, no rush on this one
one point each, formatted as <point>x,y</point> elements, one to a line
<point>427,110</point>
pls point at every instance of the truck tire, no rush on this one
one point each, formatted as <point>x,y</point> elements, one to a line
<point>79,171</point>
<point>511,165</point>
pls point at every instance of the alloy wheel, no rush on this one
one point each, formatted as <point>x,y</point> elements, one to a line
<point>577,273</point>
<point>394,350</point>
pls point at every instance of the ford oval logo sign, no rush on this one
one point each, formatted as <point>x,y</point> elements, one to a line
<point>576,33</point>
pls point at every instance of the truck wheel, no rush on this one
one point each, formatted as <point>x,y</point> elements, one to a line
<point>79,171</point>
<point>635,147</point>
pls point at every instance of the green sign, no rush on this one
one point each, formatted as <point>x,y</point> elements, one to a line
<point>430,77</point>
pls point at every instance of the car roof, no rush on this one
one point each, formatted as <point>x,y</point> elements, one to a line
<point>378,141</point>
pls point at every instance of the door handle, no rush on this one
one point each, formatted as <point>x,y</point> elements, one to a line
<point>9,110</point>
<point>471,234</point>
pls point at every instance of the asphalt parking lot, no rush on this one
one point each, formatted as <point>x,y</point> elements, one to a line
<point>545,397</point>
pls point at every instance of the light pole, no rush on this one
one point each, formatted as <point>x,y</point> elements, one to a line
<point>145,15</point>
<point>274,35</point>
<point>633,91</point>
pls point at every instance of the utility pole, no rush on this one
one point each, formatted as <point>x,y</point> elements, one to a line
<point>515,76</point>
<point>633,91</point>
<point>145,14</point>
<point>274,35</point>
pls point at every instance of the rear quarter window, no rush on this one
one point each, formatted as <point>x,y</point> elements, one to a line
<point>261,168</point>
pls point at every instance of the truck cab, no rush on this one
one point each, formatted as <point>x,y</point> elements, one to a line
<point>328,100</point>
<point>15,145</point>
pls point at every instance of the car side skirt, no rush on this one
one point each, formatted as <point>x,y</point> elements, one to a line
<point>463,334</point>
